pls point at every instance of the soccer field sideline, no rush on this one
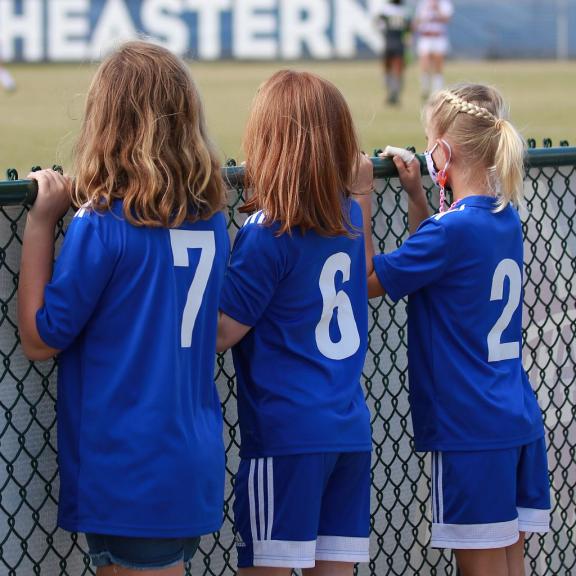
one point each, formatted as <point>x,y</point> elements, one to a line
<point>40,120</point>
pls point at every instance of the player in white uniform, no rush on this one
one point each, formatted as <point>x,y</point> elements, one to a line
<point>432,44</point>
<point>472,405</point>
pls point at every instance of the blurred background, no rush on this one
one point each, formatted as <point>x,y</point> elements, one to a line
<point>50,48</point>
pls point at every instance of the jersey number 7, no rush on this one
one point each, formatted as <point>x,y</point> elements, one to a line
<point>182,241</point>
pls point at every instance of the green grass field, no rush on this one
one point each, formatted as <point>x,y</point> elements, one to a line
<point>40,120</point>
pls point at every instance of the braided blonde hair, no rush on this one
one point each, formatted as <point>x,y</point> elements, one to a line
<point>476,119</point>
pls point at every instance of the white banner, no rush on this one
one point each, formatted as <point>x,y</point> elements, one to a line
<point>76,30</point>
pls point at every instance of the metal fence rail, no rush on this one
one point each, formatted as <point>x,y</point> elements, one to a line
<point>30,543</point>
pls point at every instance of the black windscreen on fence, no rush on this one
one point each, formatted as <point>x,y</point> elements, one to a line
<point>30,543</point>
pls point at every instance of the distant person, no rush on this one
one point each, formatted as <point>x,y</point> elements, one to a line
<point>294,308</point>
<point>432,44</point>
<point>6,79</point>
<point>472,405</point>
<point>131,310</point>
<point>393,19</point>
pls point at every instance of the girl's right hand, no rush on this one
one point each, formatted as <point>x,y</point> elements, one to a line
<point>363,185</point>
<point>54,196</point>
<point>410,177</point>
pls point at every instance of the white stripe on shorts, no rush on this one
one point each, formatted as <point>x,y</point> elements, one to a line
<point>251,501</point>
<point>261,509</point>
<point>261,519</point>
<point>433,484</point>
<point>440,490</point>
<point>270,478</point>
<point>437,489</point>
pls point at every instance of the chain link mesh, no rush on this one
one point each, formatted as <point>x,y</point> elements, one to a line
<point>30,543</point>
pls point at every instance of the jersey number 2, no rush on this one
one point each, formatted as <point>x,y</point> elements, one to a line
<point>331,300</point>
<point>498,350</point>
<point>182,241</point>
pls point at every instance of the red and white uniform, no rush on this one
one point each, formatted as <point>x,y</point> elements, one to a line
<point>432,18</point>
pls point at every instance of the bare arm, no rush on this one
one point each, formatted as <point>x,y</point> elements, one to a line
<point>37,255</point>
<point>411,181</point>
<point>417,212</point>
<point>375,289</point>
<point>362,193</point>
<point>361,190</point>
<point>230,332</point>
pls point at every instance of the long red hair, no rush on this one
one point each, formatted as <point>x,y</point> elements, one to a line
<point>301,154</point>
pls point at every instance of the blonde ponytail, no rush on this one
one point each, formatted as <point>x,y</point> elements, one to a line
<point>509,164</point>
<point>475,118</point>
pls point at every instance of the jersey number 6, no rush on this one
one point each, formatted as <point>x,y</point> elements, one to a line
<point>181,241</point>
<point>498,350</point>
<point>349,341</point>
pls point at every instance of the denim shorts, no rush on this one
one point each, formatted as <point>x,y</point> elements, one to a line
<point>140,553</point>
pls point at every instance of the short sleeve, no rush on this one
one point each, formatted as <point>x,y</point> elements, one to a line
<point>421,260</point>
<point>255,269</point>
<point>81,273</point>
<point>419,10</point>
<point>447,9</point>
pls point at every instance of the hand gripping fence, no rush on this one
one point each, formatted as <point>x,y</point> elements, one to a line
<point>31,544</point>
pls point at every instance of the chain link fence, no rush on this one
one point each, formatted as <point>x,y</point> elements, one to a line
<point>30,543</point>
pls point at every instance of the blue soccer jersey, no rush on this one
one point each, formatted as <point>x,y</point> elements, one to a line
<point>462,271</point>
<point>134,311</point>
<point>299,367</point>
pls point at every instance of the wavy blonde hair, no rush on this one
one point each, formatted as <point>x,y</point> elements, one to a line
<point>476,119</point>
<point>301,154</point>
<point>143,140</point>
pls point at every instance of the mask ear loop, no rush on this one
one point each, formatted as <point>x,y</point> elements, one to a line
<point>443,178</point>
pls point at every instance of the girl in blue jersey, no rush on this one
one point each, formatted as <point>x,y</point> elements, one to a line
<point>294,307</point>
<point>472,405</point>
<point>131,310</point>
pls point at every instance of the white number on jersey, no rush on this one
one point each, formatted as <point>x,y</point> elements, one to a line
<point>498,350</point>
<point>181,241</point>
<point>331,300</point>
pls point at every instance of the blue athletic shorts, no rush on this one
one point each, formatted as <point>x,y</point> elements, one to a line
<point>140,553</point>
<point>293,510</point>
<point>485,499</point>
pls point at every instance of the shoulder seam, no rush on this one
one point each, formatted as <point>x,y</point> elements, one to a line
<point>82,210</point>
<point>440,215</point>
<point>256,218</point>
